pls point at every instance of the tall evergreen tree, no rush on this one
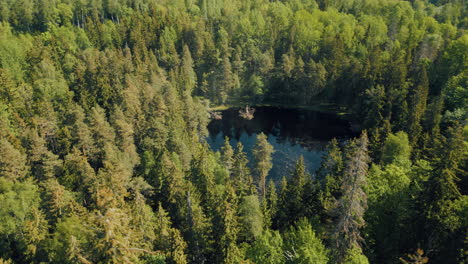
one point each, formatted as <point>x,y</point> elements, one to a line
<point>331,173</point>
<point>353,202</point>
<point>292,204</point>
<point>417,104</point>
<point>240,174</point>
<point>262,156</point>
<point>270,204</point>
<point>442,190</point>
<point>12,162</point>
<point>227,154</point>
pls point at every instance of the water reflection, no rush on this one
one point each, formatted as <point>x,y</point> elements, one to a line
<point>292,132</point>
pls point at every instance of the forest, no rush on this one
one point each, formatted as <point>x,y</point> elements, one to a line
<point>104,108</point>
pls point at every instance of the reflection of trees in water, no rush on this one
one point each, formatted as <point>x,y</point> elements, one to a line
<point>310,130</point>
<point>286,155</point>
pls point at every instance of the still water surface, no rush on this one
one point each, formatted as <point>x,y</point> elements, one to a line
<point>292,132</point>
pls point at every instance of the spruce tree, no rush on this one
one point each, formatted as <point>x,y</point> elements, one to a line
<point>12,162</point>
<point>353,202</point>
<point>296,190</point>
<point>442,190</point>
<point>417,105</point>
<point>270,204</point>
<point>227,154</point>
<point>242,180</point>
<point>262,156</point>
<point>331,174</point>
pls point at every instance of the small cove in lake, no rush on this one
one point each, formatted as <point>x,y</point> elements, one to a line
<point>291,132</point>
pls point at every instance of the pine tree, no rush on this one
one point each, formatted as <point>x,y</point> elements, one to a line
<point>202,177</point>
<point>115,243</point>
<point>295,194</point>
<point>375,105</point>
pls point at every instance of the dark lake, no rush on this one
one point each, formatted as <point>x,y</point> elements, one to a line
<point>292,132</point>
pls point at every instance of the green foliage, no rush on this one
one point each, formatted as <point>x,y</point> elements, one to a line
<point>251,218</point>
<point>69,240</point>
<point>240,172</point>
<point>353,202</point>
<point>397,150</point>
<point>331,173</point>
<point>13,52</point>
<point>303,246</point>
<point>355,256</point>
<point>12,162</point>
<point>267,248</point>
<point>103,119</point>
<point>227,154</point>
<point>22,223</point>
<point>262,156</point>
<point>292,204</point>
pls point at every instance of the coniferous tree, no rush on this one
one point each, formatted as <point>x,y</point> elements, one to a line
<point>168,239</point>
<point>44,163</point>
<point>291,204</point>
<point>442,190</point>
<point>103,135</point>
<point>353,202</point>
<point>331,173</point>
<point>296,190</point>
<point>12,162</point>
<point>103,119</point>
<point>417,104</point>
<point>241,173</point>
<point>282,213</point>
<point>125,137</point>
<point>230,251</point>
<point>262,156</point>
<point>81,133</point>
<point>270,204</point>
<point>188,77</point>
<point>227,154</point>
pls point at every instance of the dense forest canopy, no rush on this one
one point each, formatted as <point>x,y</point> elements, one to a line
<point>104,112</point>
